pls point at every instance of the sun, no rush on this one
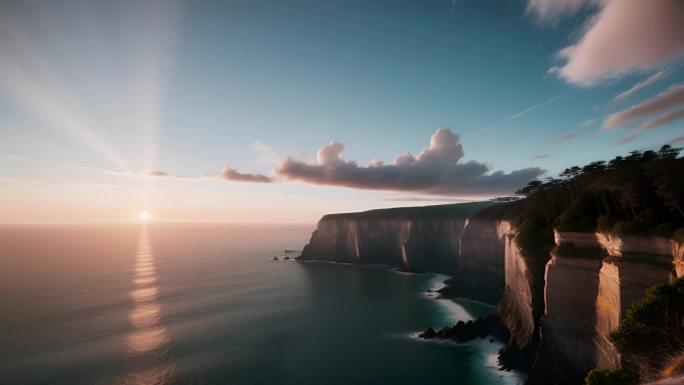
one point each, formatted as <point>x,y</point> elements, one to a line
<point>144,216</point>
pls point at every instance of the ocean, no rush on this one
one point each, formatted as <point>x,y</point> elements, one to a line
<point>207,304</point>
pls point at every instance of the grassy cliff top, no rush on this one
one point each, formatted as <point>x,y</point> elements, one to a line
<point>449,211</point>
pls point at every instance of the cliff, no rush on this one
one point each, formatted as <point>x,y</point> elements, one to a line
<point>440,239</point>
<point>559,318</point>
<point>590,281</point>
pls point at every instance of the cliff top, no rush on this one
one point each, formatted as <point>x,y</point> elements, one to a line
<point>448,211</point>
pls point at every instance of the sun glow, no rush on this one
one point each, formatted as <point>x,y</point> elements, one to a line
<point>144,216</point>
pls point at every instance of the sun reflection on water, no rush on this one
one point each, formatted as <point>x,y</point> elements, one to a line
<point>147,334</point>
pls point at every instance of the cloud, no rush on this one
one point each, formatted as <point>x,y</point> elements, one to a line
<point>678,139</point>
<point>663,101</point>
<point>15,157</point>
<point>548,10</point>
<point>436,170</point>
<point>563,138</point>
<point>625,36</point>
<point>232,174</point>
<point>266,153</point>
<point>587,123</point>
<point>625,140</point>
<point>663,119</point>
<point>540,156</point>
<point>643,84</point>
<point>159,173</point>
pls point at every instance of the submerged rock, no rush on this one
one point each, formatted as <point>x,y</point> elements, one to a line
<point>466,331</point>
<point>428,333</point>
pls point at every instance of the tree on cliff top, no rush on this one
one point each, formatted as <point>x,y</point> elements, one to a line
<point>651,337</point>
<point>636,193</point>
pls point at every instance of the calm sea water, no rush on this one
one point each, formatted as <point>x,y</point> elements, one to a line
<point>205,304</point>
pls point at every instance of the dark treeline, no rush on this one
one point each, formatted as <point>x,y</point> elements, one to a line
<point>637,193</point>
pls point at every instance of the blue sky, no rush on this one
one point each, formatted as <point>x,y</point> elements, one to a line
<point>189,88</point>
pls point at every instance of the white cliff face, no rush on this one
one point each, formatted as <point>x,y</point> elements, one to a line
<point>633,264</point>
<point>470,250</point>
<point>618,245</point>
<point>608,314</point>
<point>516,307</point>
<point>481,259</point>
<point>569,322</point>
<point>417,245</point>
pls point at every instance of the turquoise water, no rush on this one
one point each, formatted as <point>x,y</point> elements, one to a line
<point>206,304</point>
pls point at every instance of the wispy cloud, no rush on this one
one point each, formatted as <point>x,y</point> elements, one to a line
<point>436,170</point>
<point>228,173</point>
<point>670,98</point>
<point>540,156</point>
<point>643,84</point>
<point>663,119</point>
<point>625,140</point>
<point>549,10</point>
<point>623,37</point>
<point>232,174</point>
<point>587,123</point>
<point>159,173</point>
<point>677,139</point>
<point>519,113</point>
<point>563,138</point>
<point>18,158</point>
<point>267,154</point>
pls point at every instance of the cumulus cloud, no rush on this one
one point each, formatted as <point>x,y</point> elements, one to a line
<point>563,138</point>
<point>436,170</point>
<point>643,84</point>
<point>232,174</point>
<point>661,102</point>
<point>663,119</point>
<point>625,140</point>
<point>624,36</point>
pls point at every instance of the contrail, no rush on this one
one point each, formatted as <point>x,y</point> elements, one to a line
<point>519,114</point>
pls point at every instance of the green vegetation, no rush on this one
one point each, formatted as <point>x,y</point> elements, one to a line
<point>611,377</point>
<point>652,330</point>
<point>650,338</point>
<point>639,193</point>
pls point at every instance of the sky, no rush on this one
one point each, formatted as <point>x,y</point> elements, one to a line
<point>281,111</point>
